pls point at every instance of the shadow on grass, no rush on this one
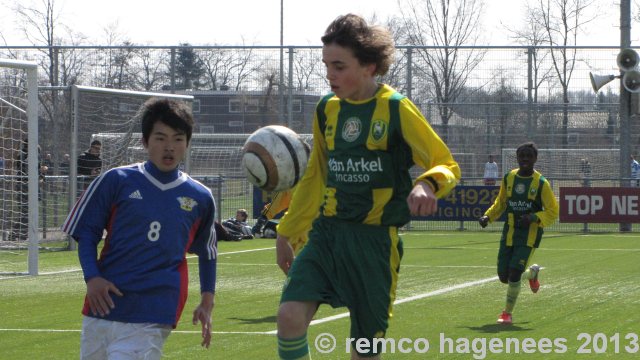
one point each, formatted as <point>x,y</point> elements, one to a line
<point>497,328</point>
<point>266,319</point>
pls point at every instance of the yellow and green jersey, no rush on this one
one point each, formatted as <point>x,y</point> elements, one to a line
<point>521,195</point>
<point>359,166</point>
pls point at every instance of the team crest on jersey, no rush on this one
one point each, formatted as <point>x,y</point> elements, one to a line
<point>378,130</point>
<point>351,129</point>
<point>187,203</point>
<point>520,189</point>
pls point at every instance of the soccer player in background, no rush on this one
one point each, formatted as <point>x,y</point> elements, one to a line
<point>530,204</point>
<point>153,215</point>
<point>356,191</point>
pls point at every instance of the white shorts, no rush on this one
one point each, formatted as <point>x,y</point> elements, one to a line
<point>105,339</point>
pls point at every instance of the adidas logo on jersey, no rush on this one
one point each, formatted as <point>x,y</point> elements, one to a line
<point>135,195</point>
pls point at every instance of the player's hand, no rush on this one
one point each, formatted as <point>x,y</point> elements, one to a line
<point>421,200</point>
<point>100,301</point>
<point>483,221</point>
<point>526,219</point>
<point>284,253</point>
<point>202,314</point>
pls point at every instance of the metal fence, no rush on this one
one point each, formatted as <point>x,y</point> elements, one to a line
<point>504,96</point>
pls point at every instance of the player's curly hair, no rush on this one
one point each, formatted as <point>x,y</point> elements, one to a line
<point>176,114</point>
<point>528,145</point>
<point>370,44</point>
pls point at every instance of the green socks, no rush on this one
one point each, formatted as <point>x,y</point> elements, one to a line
<point>512,295</point>
<point>293,349</point>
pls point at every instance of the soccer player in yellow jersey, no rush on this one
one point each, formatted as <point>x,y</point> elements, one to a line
<point>530,204</point>
<point>356,192</point>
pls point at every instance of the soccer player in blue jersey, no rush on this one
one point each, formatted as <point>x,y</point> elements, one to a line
<point>356,192</point>
<point>153,215</point>
<point>530,204</point>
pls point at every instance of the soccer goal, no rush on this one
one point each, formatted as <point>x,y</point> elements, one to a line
<point>569,164</point>
<point>19,167</point>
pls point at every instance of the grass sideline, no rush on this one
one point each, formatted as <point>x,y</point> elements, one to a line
<point>447,294</point>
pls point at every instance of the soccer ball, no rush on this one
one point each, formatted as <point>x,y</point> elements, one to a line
<point>274,158</point>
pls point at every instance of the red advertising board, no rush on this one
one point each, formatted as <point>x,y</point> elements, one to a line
<point>599,205</point>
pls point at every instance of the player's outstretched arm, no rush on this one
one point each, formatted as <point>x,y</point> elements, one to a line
<point>100,301</point>
<point>284,253</point>
<point>202,314</point>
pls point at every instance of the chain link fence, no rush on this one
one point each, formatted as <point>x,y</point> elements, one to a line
<point>488,99</point>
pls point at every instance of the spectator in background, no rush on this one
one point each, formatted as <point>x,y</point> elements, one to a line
<point>90,164</point>
<point>491,172</point>
<point>48,163</point>
<point>585,172</point>
<point>64,165</point>
<point>635,172</point>
<point>237,226</point>
<point>21,165</point>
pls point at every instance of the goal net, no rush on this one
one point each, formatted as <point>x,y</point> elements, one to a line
<point>213,159</point>
<point>576,167</point>
<point>19,167</point>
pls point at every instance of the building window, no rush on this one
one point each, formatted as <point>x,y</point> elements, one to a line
<point>207,129</point>
<point>235,106</point>
<point>296,105</point>
<point>252,106</point>
<point>195,106</point>
<point>236,123</point>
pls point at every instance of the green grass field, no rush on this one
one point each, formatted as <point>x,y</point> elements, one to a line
<point>448,295</point>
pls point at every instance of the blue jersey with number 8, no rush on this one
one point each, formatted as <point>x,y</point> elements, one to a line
<point>152,219</point>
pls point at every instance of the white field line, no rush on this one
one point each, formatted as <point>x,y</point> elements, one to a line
<point>495,248</point>
<point>314,322</point>
<point>408,299</point>
<point>188,257</point>
<point>173,332</point>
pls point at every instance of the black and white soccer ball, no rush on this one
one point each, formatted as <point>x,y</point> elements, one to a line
<point>274,158</point>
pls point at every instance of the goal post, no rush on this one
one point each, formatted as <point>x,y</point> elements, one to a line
<point>19,94</point>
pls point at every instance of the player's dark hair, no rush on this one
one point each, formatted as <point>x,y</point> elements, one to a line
<point>528,145</point>
<point>175,114</point>
<point>370,44</point>
<point>96,142</point>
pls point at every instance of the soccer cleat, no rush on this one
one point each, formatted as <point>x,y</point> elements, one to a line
<point>534,284</point>
<point>505,318</point>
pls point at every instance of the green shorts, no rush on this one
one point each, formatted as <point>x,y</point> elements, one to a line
<point>513,257</point>
<point>352,265</point>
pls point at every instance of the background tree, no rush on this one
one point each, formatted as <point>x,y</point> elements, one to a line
<point>446,24</point>
<point>189,68</point>
<point>40,23</point>
<point>562,21</point>
<point>533,35</point>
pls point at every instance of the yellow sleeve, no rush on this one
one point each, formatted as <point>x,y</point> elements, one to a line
<point>428,150</point>
<point>309,194</point>
<point>499,205</point>
<point>280,201</point>
<point>550,211</point>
